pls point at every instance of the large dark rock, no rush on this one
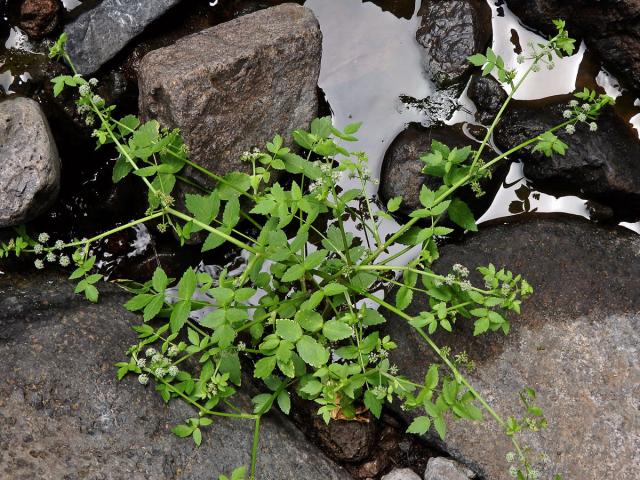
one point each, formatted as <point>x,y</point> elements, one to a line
<point>29,162</point>
<point>99,34</point>
<point>232,87</point>
<point>610,27</point>
<point>603,166</point>
<point>402,175</point>
<point>576,343</point>
<point>63,414</point>
<point>450,31</point>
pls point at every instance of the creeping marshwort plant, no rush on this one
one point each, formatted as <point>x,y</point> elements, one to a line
<point>305,309</point>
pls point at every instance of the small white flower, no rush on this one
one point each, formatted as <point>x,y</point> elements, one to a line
<point>173,351</point>
<point>157,358</point>
<point>570,129</point>
<point>241,346</point>
<point>535,67</point>
<point>534,474</point>
<point>64,261</point>
<point>37,249</point>
<point>513,471</point>
<point>567,114</point>
<point>97,99</point>
<point>173,371</point>
<point>383,353</point>
<point>84,90</point>
<point>520,59</point>
<point>143,378</point>
<point>150,352</point>
<point>593,126</point>
<point>159,372</point>
<point>84,108</point>
<point>43,237</point>
<point>58,245</point>
<point>93,82</point>
<point>465,285</point>
<point>551,66</point>
<point>141,362</point>
<point>393,369</point>
<point>586,107</point>
<point>449,279</point>
<point>51,257</point>
<point>582,117</point>
<point>461,270</point>
<point>39,264</point>
<point>511,457</point>
<point>573,103</point>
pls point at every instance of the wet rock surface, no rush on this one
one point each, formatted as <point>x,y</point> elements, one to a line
<point>228,92</point>
<point>402,175</point>
<point>488,96</point>
<point>576,343</point>
<point>39,17</point>
<point>603,166</point>
<point>99,34</point>
<point>30,167</point>
<point>611,28</point>
<point>450,31</point>
<point>63,414</point>
<point>441,468</point>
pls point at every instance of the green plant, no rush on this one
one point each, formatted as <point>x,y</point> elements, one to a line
<point>304,310</point>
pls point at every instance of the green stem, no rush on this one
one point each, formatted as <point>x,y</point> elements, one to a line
<point>210,229</point>
<point>254,447</point>
<point>439,352</point>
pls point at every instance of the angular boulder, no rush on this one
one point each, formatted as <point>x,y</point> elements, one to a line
<point>97,35</point>
<point>29,162</point>
<point>611,28</point>
<point>234,86</point>
<point>576,343</point>
<point>401,173</point>
<point>450,31</point>
<point>63,414</point>
<point>603,165</point>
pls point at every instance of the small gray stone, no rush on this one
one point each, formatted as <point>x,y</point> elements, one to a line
<point>29,162</point>
<point>59,392</point>
<point>441,468</point>
<point>401,474</point>
<point>99,34</point>
<point>450,31</point>
<point>234,86</point>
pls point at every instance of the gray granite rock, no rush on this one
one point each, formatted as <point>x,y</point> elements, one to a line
<point>99,34</point>
<point>234,86</point>
<point>63,414</point>
<point>576,343</point>
<point>401,474</point>
<point>29,162</point>
<point>450,31</point>
<point>442,468</point>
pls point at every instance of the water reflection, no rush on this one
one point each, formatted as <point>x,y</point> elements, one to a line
<point>507,28</point>
<point>370,58</point>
